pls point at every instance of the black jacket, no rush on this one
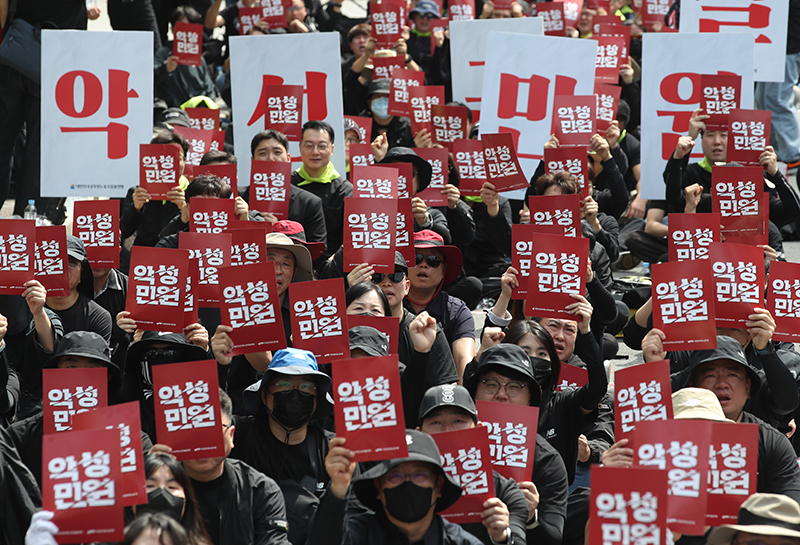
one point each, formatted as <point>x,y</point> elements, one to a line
<point>146,223</point>
<point>19,495</point>
<point>778,472</point>
<point>492,242</point>
<point>509,493</point>
<point>333,196</point>
<point>550,478</point>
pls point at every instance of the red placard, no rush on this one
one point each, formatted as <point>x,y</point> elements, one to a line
<point>200,143</point>
<point>405,180</point>
<point>598,19</point>
<point>188,43</point>
<point>203,118</point>
<point>691,235</point>
<point>124,418</point>
<point>404,242</point>
<point>402,81</point>
<point>609,58</point>
<point>681,447</point>
<point>748,135</point>
<point>248,244</point>
<point>572,12</point>
<point>461,10</point>
<point>558,269</point>
<point>191,304</point>
<point>512,437</point>
<point>374,182</point>
<point>438,159</point>
<point>738,272</point>
<point>466,458</point>
<point>284,105</point>
<point>570,159</point>
<point>655,11</point>
<point>17,242</point>
<point>364,125</point>
<point>641,392</point>
<point>503,5</point>
<point>269,182</point>
<point>732,470</point>
<point>437,25</point>
<point>81,485</point>
<point>368,233</point>
<point>617,29</point>
<point>251,306</point>
<point>318,319</point>
<point>449,123</point>
<point>210,215</point>
<point>274,12</point>
<point>211,252</point>
<point>96,223</point>
<point>226,173</point>
<point>737,193</point>
<point>468,155</point>
<point>50,263</point>
<point>157,288</point>
<point>626,502</point>
<point>555,214</point>
<point>502,165</point>
<point>384,67</point>
<point>552,14</point>
<point>573,119</point>
<point>67,392</point>
<point>571,378</point>
<point>783,300</point>
<point>186,397</point>
<point>420,99</point>
<point>361,155</point>
<point>521,250</point>
<point>388,325</point>
<point>607,102</point>
<point>683,304</point>
<point>248,17</point>
<point>721,94</point>
<point>387,18</point>
<point>368,407</point>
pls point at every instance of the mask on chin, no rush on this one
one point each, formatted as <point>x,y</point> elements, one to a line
<point>408,502</point>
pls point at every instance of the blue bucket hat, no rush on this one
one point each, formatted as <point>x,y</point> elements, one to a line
<point>426,7</point>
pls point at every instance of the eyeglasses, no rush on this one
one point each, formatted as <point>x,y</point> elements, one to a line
<point>154,356</point>
<point>284,386</point>
<point>433,261</point>
<point>310,146</point>
<point>513,389</point>
<point>420,477</point>
<point>395,277</point>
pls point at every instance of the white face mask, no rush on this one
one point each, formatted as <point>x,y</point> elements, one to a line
<point>380,107</point>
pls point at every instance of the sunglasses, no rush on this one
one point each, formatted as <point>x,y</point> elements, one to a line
<point>395,277</point>
<point>433,261</point>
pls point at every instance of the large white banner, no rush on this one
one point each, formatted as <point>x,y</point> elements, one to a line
<point>310,60</point>
<point>765,20</point>
<point>468,52</point>
<point>671,92</point>
<point>97,107</point>
<point>523,74</point>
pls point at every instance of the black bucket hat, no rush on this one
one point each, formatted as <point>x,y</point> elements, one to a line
<point>505,358</point>
<point>400,154</point>
<point>727,349</point>
<point>177,341</point>
<point>88,344</point>
<point>447,395</point>
<point>370,340</point>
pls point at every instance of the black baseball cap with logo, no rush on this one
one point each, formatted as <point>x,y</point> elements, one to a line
<point>447,395</point>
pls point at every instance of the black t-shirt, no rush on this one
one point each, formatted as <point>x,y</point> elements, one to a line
<point>550,478</point>
<point>561,421</point>
<point>86,315</point>
<point>793,31</point>
<point>65,14</point>
<point>207,494</point>
<point>778,472</point>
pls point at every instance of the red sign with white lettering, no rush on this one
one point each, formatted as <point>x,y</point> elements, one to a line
<point>157,287</point>
<point>558,270</point>
<point>96,223</point>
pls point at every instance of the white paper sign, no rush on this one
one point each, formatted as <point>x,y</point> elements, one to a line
<point>468,51</point>
<point>671,91</point>
<point>310,60</point>
<point>765,20</point>
<point>97,107</point>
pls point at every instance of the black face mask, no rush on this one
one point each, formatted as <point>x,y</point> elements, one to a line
<point>292,409</point>
<point>161,500</point>
<point>542,371</point>
<point>408,502</point>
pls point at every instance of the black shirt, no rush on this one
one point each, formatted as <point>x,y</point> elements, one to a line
<point>207,494</point>
<point>86,315</point>
<point>550,478</point>
<point>778,472</point>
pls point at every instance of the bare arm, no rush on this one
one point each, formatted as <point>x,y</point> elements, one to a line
<point>3,12</point>
<point>463,352</point>
<point>212,20</point>
<point>653,225</point>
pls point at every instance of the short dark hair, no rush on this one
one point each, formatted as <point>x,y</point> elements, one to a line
<point>357,290</point>
<point>361,29</point>
<point>218,156</point>
<point>169,137</point>
<point>564,180</point>
<point>225,405</point>
<point>267,135</point>
<point>317,126</point>
<point>165,526</point>
<point>191,14</point>
<point>208,185</point>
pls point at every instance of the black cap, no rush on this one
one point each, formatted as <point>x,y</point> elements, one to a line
<point>88,344</point>
<point>507,359</point>
<point>400,262</point>
<point>370,340</point>
<point>727,349</point>
<point>399,154</point>
<point>446,395</point>
<point>382,85</point>
<point>189,352</point>
<point>75,248</point>
<point>176,116</point>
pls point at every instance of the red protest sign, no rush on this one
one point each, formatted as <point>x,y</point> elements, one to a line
<point>641,392</point>
<point>274,12</point>
<point>284,109</point>
<point>608,59</point>
<point>124,418</point>
<point>655,11</point>
<point>50,263</point>
<point>186,397</point>
<point>681,447</point>
<point>468,155</point>
<point>17,242</point>
<point>200,143</point>
<point>190,303</point>
<point>627,502</point>
<point>573,119</point>
<point>96,223</point>
<point>555,214</point>
<point>607,102</point>
<point>318,317</point>
<point>738,272</point>
<point>156,292</point>
<point>572,12</point>
<point>404,241</point>
<point>388,325</point>
<point>571,159</point>
<point>384,67</point>
<point>210,215</point>
<point>691,235</point>
<point>571,378</point>
<point>81,485</point>
<point>374,181</point>
<point>251,306</point>
<point>598,19</point>
<point>552,14</point>
<point>616,29</point>
<point>732,470</point>
<point>466,458</point>
<point>783,300</point>
<point>420,99</point>
<point>461,10</point>
<point>402,81</point>
<point>212,252</point>
<point>683,304</point>
<point>405,180</point>
<point>226,173</point>
<point>437,25</point>
<point>188,43</point>
<point>449,123</point>
<point>364,125</point>
<point>368,233</point>
<point>369,407</point>
<point>248,244</point>
<point>521,251</point>
<point>203,118</point>
<point>502,165</point>
<point>159,168</point>
<point>512,437</point>
<point>67,392</point>
<point>269,182</point>
<point>360,155</point>
<point>737,193</point>
<point>248,17</point>
<point>721,94</point>
<point>438,159</point>
<point>750,131</point>
<point>558,269</point>
<point>387,18</point>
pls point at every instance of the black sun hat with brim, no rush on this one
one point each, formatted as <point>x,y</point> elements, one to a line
<point>87,344</point>
<point>727,348</point>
